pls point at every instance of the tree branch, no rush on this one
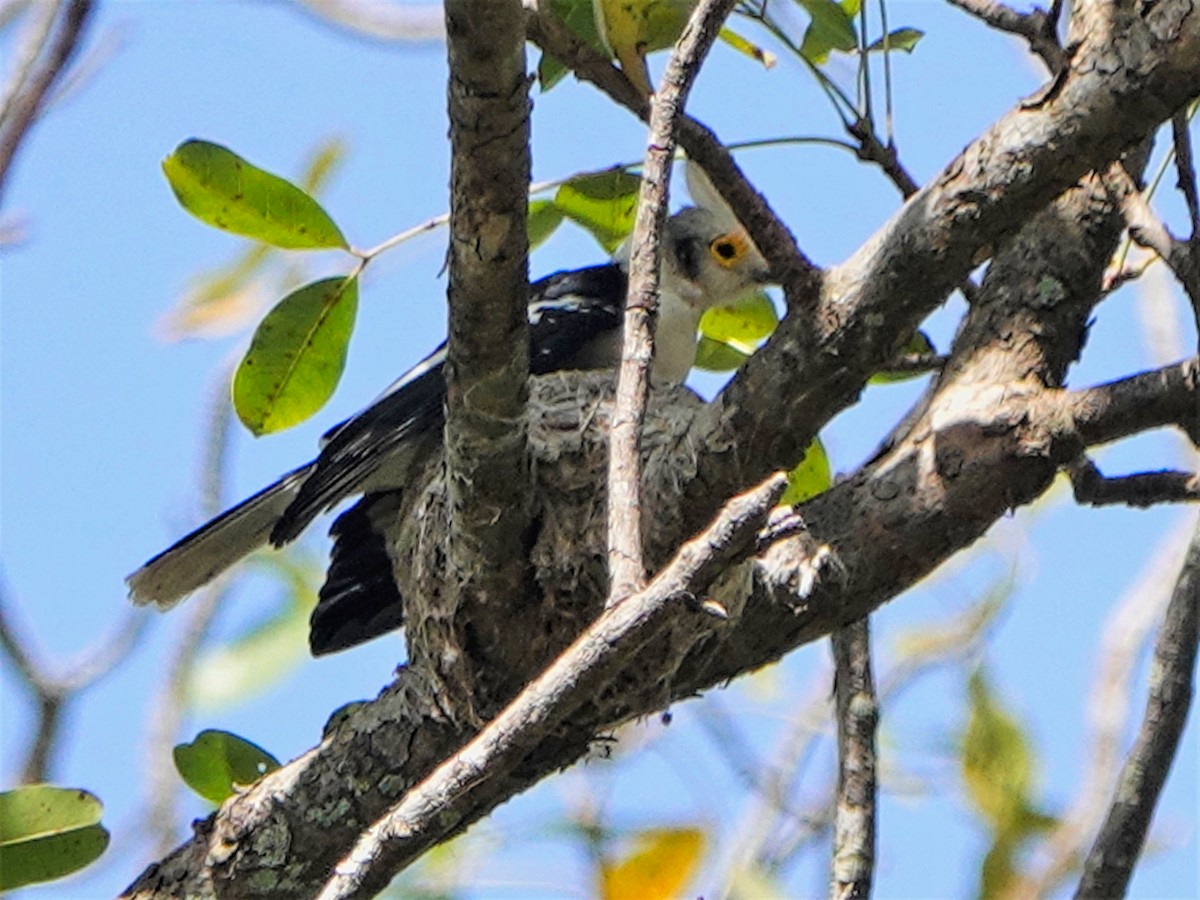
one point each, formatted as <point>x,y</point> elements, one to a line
<point>1160,397</point>
<point>1142,489</point>
<point>488,346</point>
<point>420,819</point>
<point>25,97</point>
<point>626,564</point>
<point>1038,27</point>
<point>1110,863</point>
<point>857,715</point>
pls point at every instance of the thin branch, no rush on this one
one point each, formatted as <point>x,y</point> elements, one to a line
<point>425,812</point>
<point>1127,631</point>
<point>1148,231</point>
<point>1038,27</point>
<point>1143,489</point>
<point>857,715</point>
<point>27,101</point>
<point>1110,863</point>
<point>626,564</point>
<point>1185,168</point>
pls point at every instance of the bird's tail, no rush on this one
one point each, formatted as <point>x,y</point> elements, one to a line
<point>214,547</point>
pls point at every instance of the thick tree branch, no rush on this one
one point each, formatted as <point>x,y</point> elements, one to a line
<point>420,819</point>
<point>488,349</point>
<point>1154,399</point>
<point>626,563</point>
<point>1109,865</point>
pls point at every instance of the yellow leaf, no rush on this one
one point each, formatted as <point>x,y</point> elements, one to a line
<point>662,863</point>
<point>633,28</point>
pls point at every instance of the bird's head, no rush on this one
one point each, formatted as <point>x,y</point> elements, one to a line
<point>709,260</point>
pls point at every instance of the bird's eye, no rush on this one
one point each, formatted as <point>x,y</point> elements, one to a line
<point>727,249</point>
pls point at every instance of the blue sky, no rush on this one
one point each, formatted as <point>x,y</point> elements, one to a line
<point>102,420</point>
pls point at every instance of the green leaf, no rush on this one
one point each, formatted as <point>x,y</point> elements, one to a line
<point>997,759</point>
<point>603,203</point>
<point>744,324</point>
<point>47,832</point>
<point>297,356</point>
<point>251,663</point>
<point>216,762</point>
<point>811,477</point>
<point>223,190</point>
<point>544,218</point>
<point>831,28</point>
<point>715,356</point>
<point>905,39</point>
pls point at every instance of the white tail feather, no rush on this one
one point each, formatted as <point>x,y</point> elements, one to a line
<point>212,548</point>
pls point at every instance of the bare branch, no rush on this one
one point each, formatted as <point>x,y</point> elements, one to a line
<point>26,98</point>
<point>1148,231</point>
<point>1038,27</point>
<point>1185,169</point>
<point>857,715</point>
<point>1166,396</point>
<point>1142,490</point>
<point>627,569</point>
<point>1109,865</point>
<point>427,811</point>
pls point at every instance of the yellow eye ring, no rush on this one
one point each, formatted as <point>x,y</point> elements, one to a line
<point>728,249</point>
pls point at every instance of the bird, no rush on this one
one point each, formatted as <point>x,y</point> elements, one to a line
<point>575,323</point>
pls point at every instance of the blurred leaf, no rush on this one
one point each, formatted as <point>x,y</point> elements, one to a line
<point>905,39</point>
<point>544,218</point>
<point>297,356</point>
<point>225,191</point>
<point>47,832</point>
<point>965,628</point>
<point>918,345</point>
<point>831,28</point>
<point>749,48</point>
<point>997,761</point>
<point>811,477</point>
<point>662,863</point>
<point>217,761</point>
<point>323,162</point>
<point>603,203</point>
<point>714,356</point>
<point>745,324</point>
<point>238,670</point>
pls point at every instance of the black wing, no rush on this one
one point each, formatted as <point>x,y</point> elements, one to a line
<point>359,600</point>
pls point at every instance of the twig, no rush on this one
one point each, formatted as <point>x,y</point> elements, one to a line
<point>626,565</point>
<point>1148,231</point>
<point>54,693</point>
<point>167,713</point>
<point>26,101</point>
<point>1109,865</point>
<point>1143,489</point>
<point>1037,26</point>
<point>857,714</point>
<point>1185,169</point>
<point>1127,631</point>
<point>427,810</point>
